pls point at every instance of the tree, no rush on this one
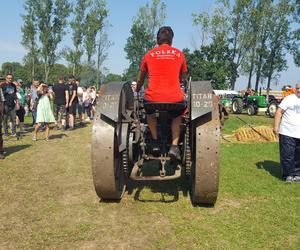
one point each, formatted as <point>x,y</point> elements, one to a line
<point>137,45</point>
<point>278,41</point>
<point>29,39</point>
<point>295,45</point>
<point>151,17</point>
<point>213,63</point>
<point>51,16</point>
<point>263,33</point>
<point>202,22</point>
<point>94,23</point>
<point>239,36</point>
<point>73,56</point>
<point>258,33</point>
<point>102,46</point>
<point>57,71</point>
<point>88,74</point>
<point>16,69</point>
<point>112,78</point>
<point>143,34</point>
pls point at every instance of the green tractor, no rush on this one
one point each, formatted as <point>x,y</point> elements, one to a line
<point>252,104</point>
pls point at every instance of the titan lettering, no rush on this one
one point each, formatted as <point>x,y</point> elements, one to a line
<point>202,96</point>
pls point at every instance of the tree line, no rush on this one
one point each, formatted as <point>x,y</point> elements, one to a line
<point>45,24</point>
<point>244,37</point>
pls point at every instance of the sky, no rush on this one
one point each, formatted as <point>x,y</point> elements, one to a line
<point>121,13</point>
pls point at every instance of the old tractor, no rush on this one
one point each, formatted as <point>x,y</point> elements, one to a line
<point>252,104</point>
<point>121,141</point>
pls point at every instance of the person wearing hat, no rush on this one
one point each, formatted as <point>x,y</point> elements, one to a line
<point>20,107</point>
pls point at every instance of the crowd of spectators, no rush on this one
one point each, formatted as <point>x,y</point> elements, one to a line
<point>66,104</point>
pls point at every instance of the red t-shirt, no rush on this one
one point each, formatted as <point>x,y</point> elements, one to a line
<point>164,65</point>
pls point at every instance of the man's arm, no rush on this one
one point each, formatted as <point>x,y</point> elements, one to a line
<point>183,78</point>
<point>73,97</point>
<point>67,97</point>
<point>140,80</point>
<point>277,120</point>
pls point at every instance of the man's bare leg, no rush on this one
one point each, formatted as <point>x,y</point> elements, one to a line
<point>174,151</point>
<point>71,121</point>
<point>176,122</point>
<point>152,122</point>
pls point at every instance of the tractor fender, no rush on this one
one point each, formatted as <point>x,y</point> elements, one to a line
<point>114,97</point>
<point>201,99</point>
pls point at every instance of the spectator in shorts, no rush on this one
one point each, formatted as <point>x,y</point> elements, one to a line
<point>61,100</point>
<point>10,95</point>
<point>86,103</point>
<point>93,95</point>
<point>72,101</point>
<point>79,106</point>
<point>1,114</point>
<point>21,102</point>
<point>34,100</point>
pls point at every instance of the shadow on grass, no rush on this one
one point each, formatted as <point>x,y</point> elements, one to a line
<point>58,136</point>
<point>13,149</point>
<point>109,201</point>
<point>169,190</point>
<point>272,167</point>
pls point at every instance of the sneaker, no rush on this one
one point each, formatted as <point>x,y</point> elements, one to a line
<point>174,153</point>
<point>155,148</point>
<point>289,179</point>
<point>47,139</point>
<point>6,134</point>
<point>297,178</point>
<point>14,134</point>
<point>34,138</point>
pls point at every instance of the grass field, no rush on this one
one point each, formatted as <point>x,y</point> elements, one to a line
<point>48,201</point>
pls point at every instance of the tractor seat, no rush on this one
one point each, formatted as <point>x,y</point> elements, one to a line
<point>152,107</point>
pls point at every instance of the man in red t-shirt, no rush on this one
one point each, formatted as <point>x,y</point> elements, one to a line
<point>166,68</point>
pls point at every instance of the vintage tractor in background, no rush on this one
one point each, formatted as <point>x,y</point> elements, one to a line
<point>121,142</point>
<point>251,104</point>
<point>274,102</point>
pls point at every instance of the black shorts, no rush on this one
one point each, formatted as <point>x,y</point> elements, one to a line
<point>172,113</point>
<point>72,109</point>
<point>60,108</point>
<point>21,113</point>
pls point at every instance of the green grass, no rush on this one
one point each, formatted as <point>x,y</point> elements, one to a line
<point>48,201</point>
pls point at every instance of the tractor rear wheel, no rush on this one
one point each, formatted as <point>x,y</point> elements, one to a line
<point>237,105</point>
<point>206,151</point>
<point>251,110</point>
<point>272,109</point>
<point>107,167</point>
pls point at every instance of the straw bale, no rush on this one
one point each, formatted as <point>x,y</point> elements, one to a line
<point>259,133</point>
